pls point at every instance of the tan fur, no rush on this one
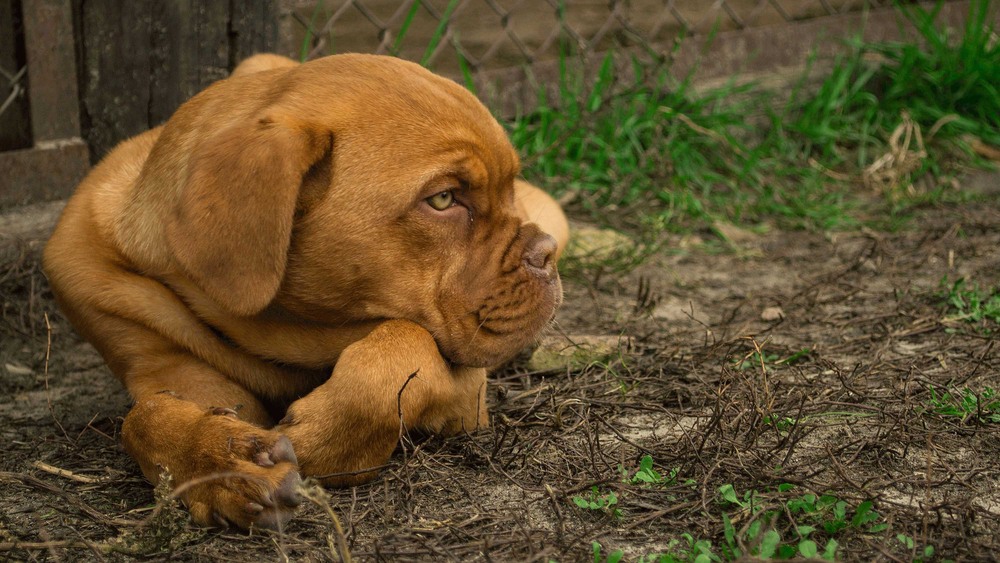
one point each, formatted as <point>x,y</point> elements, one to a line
<point>270,255</point>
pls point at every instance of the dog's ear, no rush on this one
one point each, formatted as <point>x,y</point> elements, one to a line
<point>233,224</point>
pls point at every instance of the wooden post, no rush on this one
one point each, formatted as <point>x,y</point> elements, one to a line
<point>59,158</point>
<point>144,58</point>
<point>55,114</point>
<point>15,119</point>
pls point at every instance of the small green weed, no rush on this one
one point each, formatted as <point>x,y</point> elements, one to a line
<point>613,557</point>
<point>749,501</point>
<point>806,526</point>
<point>972,304</point>
<point>781,423</point>
<point>803,526</point>
<point>925,554</point>
<point>756,360</point>
<point>598,501</point>
<point>648,475</point>
<point>692,551</point>
<point>688,551</point>
<point>831,513</point>
<point>967,405</point>
<point>761,359</point>
<point>767,543</point>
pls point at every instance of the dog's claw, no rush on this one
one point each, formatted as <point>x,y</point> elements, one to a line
<point>263,489</point>
<point>287,492</point>
<point>263,460</point>
<point>283,451</point>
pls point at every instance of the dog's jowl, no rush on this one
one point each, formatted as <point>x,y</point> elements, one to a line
<point>303,255</point>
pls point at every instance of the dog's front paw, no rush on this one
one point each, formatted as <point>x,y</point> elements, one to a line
<point>241,475</point>
<point>466,409</point>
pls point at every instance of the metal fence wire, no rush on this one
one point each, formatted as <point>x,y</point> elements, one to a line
<point>14,119</point>
<point>492,34</point>
<point>11,87</point>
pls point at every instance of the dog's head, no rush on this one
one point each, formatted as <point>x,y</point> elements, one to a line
<point>354,188</point>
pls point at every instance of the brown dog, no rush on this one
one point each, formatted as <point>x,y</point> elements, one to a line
<point>341,246</point>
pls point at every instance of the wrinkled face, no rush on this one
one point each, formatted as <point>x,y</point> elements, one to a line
<point>412,216</point>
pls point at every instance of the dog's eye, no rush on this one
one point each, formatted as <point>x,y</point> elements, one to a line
<point>441,201</point>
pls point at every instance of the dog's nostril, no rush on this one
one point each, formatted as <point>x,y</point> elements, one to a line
<point>538,255</point>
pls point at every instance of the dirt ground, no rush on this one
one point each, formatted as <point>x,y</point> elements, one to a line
<point>850,418</point>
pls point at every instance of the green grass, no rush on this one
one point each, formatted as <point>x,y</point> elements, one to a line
<point>776,525</point>
<point>783,523</point>
<point>646,475</point>
<point>691,157</point>
<point>597,501</point>
<point>624,148</point>
<point>966,405</point>
<point>924,553</point>
<point>760,360</point>
<point>969,303</point>
<point>953,79</point>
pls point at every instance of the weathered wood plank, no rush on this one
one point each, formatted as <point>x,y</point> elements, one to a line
<point>116,71</point>
<point>185,46</point>
<point>55,112</point>
<point>15,122</point>
<point>44,173</point>
<point>253,28</point>
<point>190,47</point>
<point>210,33</point>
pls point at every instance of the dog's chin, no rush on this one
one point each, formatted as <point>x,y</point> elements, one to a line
<point>475,343</point>
<point>487,352</point>
<point>483,355</point>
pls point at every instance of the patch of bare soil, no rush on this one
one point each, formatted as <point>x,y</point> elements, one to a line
<point>850,418</point>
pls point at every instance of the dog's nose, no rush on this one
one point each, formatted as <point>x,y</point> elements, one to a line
<point>539,255</point>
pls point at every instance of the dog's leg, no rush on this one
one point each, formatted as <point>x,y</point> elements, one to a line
<point>389,382</point>
<point>536,206</point>
<point>263,62</point>
<point>189,419</point>
<point>207,432</point>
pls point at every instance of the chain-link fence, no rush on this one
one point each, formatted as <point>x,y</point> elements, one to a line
<point>15,131</point>
<point>12,87</point>
<point>492,34</point>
